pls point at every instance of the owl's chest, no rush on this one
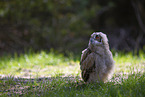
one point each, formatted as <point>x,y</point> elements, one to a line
<point>99,57</point>
<point>100,61</point>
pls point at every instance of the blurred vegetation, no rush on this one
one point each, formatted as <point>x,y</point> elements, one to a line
<point>66,25</point>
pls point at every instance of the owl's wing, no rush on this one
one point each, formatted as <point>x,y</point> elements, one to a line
<point>87,64</point>
<point>85,53</point>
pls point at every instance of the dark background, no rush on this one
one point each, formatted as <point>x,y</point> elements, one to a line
<point>66,25</point>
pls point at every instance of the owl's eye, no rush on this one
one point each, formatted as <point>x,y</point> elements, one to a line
<point>97,37</point>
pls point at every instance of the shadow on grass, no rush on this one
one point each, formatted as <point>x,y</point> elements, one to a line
<point>133,86</point>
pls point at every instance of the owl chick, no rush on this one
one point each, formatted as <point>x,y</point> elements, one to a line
<point>97,62</point>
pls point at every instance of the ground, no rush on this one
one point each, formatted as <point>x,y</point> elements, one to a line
<point>52,74</point>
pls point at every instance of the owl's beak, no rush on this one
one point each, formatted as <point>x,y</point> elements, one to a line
<point>91,40</point>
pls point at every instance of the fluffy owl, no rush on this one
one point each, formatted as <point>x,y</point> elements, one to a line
<point>97,62</point>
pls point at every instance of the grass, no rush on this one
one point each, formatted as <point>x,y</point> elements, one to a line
<point>54,75</point>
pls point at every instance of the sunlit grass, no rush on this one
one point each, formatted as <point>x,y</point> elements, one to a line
<point>42,63</point>
<point>52,74</point>
<point>128,63</point>
<point>48,64</point>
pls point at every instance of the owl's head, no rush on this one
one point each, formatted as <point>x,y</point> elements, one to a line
<point>98,38</point>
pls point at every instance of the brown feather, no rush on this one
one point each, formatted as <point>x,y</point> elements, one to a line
<point>85,53</point>
<point>87,64</point>
<point>86,73</point>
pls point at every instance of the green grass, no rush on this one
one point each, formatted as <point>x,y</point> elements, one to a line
<point>54,75</point>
